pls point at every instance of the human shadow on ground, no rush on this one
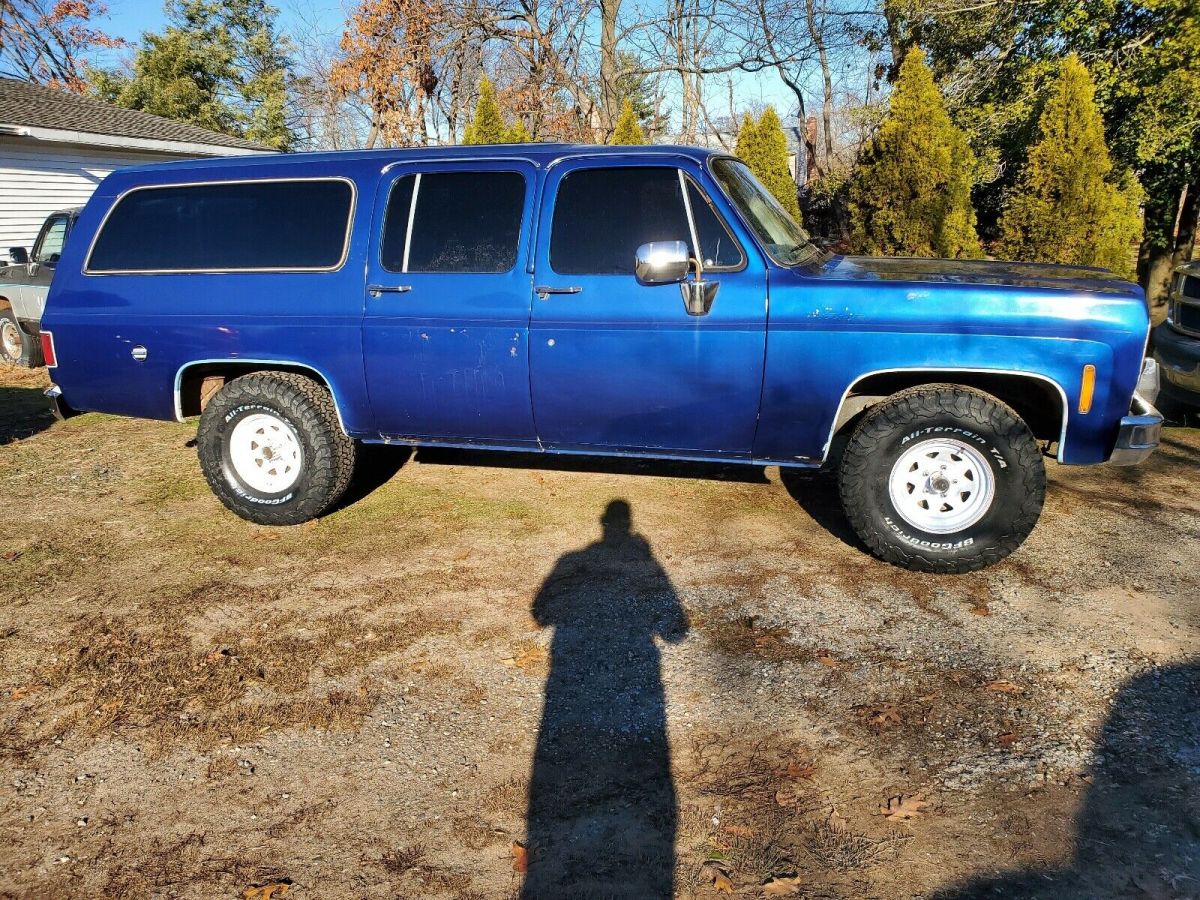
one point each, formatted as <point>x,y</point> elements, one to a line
<point>1137,833</point>
<point>601,808</point>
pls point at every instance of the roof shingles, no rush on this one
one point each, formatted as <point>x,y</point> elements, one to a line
<point>38,106</point>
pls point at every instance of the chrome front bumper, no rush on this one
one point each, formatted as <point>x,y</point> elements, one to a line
<point>1139,433</point>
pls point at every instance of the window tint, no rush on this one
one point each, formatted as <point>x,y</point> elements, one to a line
<point>248,225</point>
<point>50,245</point>
<point>718,249</point>
<point>602,216</point>
<point>463,222</point>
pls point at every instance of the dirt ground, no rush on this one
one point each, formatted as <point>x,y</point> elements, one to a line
<point>630,679</point>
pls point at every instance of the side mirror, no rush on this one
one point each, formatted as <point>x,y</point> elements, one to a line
<point>662,262</point>
<point>19,255</point>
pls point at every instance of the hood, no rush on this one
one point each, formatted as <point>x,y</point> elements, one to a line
<point>977,272</point>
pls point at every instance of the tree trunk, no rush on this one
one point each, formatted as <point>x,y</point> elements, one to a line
<point>610,68</point>
<point>1158,257</point>
<point>826,80</point>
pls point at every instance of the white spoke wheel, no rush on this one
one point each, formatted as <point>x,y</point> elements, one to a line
<point>942,478</point>
<point>266,453</point>
<point>11,344</point>
<point>272,448</point>
<point>942,486</point>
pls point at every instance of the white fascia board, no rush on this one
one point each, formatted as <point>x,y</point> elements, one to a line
<point>112,141</point>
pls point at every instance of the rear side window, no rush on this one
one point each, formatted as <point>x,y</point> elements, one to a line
<point>601,217</point>
<point>227,227</point>
<point>453,222</point>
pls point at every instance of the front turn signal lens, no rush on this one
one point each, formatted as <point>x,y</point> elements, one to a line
<point>1087,388</point>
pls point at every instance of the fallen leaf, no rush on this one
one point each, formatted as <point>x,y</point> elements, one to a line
<point>312,524</point>
<point>10,555</point>
<point>719,877</point>
<point>826,658</point>
<point>782,887</point>
<point>531,659</point>
<point>885,715</point>
<point>1007,739</point>
<point>788,795</point>
<point>19,693</point>
<point>1000,686</point>
<point>520,857</point>
<point>800,770</point>
<point>835,821</point>
<point>459,557</point>
<point>738,830</point>
<point>981,609</point>
<point>266,891</point>
<point>900,807</point>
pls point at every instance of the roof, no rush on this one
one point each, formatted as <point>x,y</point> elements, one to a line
<point>537,154</point>
<point>37,106</point>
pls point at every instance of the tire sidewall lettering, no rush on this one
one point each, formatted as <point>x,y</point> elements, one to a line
<point>231,480</point>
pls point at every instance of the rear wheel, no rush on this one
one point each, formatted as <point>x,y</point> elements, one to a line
<point>942,478</point>
<point>17,347</point>
<point>272,450</point>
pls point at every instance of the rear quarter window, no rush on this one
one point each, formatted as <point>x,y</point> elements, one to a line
<point>251,225</point>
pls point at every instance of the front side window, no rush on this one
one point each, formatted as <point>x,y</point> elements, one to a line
<point>786,242</point>
<point>50,243</point>
<point>453,222</point>
<point>227,227</point>
<point>601,217</point>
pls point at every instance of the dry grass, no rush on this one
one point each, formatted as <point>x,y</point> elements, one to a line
<point>111,675</point>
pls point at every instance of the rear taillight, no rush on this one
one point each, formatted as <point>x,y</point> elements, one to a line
<point>48,350</point>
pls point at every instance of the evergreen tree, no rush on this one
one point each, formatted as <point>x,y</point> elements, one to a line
<point>746,148</point>
<point>220,64</point>
<point>1066,206</point>
<point>911,193</point>
<point>628,130</point>
<point>762,146</point>
<point>518,133</point>
<point>487,127</point>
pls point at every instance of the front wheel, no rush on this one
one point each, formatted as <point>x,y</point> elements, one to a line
<point>272,450</point>
<point>942,478</point>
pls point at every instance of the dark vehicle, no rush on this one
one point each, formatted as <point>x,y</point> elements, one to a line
<point>622,301</point>
<point>1177,340</point>
<point>24,284</point>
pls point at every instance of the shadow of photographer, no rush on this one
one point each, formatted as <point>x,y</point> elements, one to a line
<point>602,809</point>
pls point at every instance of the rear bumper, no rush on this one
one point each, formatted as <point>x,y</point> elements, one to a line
<point>1139,433</point>
<point>58,405</point>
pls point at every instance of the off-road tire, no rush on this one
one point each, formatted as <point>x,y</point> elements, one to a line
<point>328,454</point>
<point>30,353</point>
<point>960,413</point>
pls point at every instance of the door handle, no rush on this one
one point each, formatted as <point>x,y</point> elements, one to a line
<point>376,289</point>
<point>546,290</point>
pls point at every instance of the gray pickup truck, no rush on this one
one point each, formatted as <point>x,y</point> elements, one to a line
<point>1177,340</point>
<point>24,283</point>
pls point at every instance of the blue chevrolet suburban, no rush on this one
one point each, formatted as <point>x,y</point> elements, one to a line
<point>632,301</point>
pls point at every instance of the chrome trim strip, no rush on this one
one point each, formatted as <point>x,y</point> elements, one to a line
<point>238,359</point>
<point>687,206</point>
<point>153,187</point>
<point>1062,437</point>
<point>462,160</point>
<point>412,214</point>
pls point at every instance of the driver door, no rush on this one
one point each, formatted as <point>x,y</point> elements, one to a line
<point>619,365</point>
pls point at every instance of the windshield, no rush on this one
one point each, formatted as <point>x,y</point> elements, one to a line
<point>787,242</point>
